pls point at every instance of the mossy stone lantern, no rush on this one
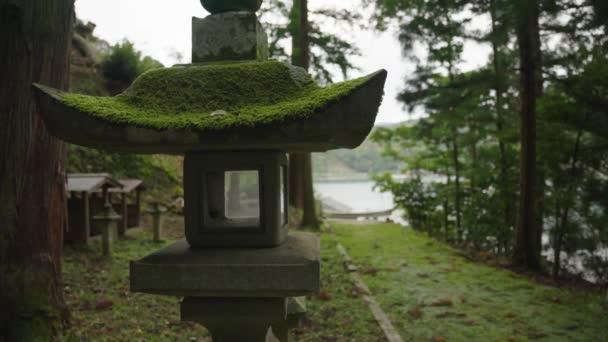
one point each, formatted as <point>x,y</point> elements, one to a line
<point>235,115</point>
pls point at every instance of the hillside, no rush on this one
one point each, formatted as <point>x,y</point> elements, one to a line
<point>353,164</point>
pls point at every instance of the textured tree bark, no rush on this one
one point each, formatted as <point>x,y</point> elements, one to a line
<point>35,37</point>
<point>526,252</point>
<point>301,195</point>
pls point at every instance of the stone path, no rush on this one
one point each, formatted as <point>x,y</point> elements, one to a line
<point>389,330</point>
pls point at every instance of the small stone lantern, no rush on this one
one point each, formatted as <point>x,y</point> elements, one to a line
<point>235,115</point>
<point>107,219</point>
<point>156,211</point>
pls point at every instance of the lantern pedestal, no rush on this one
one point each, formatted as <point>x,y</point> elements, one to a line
<point>245,319</point>
<point>289,270</point>
<point>238,294</point>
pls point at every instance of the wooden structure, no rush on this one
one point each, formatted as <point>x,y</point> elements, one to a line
<point>86,200</point>
<point>128,205</point>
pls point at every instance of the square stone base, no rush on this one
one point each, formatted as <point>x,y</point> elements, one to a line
<point>290,270</point>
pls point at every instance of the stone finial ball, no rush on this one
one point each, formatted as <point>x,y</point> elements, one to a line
<point>219,6</point>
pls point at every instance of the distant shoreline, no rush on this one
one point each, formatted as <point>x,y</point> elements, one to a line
<point>354,177</point>
<point>358,178</point>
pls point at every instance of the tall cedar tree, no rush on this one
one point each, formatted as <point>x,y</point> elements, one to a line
<point>300,173</point>
<point>35,38</point>
<point>526,250</point>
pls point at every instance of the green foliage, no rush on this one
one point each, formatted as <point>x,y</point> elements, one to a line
<point>418,198</point>
<point>358,163</point>
<point>185,97</point>
<point>470,138</point>
<point>161,174</point>
<point>124,63</point>
<point>328,50</point>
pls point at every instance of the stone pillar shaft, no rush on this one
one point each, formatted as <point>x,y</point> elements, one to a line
<point>240,319</point>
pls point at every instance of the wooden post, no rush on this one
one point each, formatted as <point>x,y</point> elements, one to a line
<point>87,217</point>
<point>122,230</point>
<point>138,204</point>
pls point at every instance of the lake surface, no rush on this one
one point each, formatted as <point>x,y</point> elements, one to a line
<point>358,195</point>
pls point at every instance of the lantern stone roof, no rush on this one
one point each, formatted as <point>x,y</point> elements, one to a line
<point>243,105</point>
<point>91,182</point>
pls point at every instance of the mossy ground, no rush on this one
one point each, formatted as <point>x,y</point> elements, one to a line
<point>429,290</point>
<point>432,292</point>
<point>338,314</point>
<point>252,94</point>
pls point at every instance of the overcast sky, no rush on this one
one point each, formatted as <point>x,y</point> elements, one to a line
<point>162,28</point>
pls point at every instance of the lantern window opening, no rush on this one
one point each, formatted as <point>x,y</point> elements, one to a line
<point>233,199</point>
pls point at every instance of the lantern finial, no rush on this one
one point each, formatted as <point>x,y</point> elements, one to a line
<point>220,6</point>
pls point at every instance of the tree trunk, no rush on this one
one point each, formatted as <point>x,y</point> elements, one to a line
<point>35,37</point>
<point>503,162</point>
<point>457,192</point>
<point>301,194</point>
<point>540,170</point>
<point>446,206</point>
<point>526,252</point>
<point>568,201</point>
<point>557,242</point>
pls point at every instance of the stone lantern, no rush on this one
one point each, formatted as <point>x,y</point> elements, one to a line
<point>235,115</point>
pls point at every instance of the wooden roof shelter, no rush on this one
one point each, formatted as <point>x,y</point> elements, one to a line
<point>86,198</point>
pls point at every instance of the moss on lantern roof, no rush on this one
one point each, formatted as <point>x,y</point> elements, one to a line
<point>251,94</point>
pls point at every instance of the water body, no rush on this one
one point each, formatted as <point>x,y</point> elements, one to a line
<point>360,196</point>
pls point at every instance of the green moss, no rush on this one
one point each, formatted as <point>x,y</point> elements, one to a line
<point>411,275</point>
<point>252,94</point>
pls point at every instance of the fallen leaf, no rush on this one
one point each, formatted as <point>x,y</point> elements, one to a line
<point>451,314</point>
<point>445,302</point>
<point>416,313</point>
<point>537,336</point>
<point>556,300</point>
<point>324,295</point>
<point>103,304</point>
<point>370,271</point>
<point>357,292</point>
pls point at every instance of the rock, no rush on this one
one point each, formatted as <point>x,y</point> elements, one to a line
<point>219,6</point>
<point>103,304</point>
<point>219,113</point>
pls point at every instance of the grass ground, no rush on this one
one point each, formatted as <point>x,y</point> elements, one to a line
<point>431,292</point>
<point>103,308</point>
